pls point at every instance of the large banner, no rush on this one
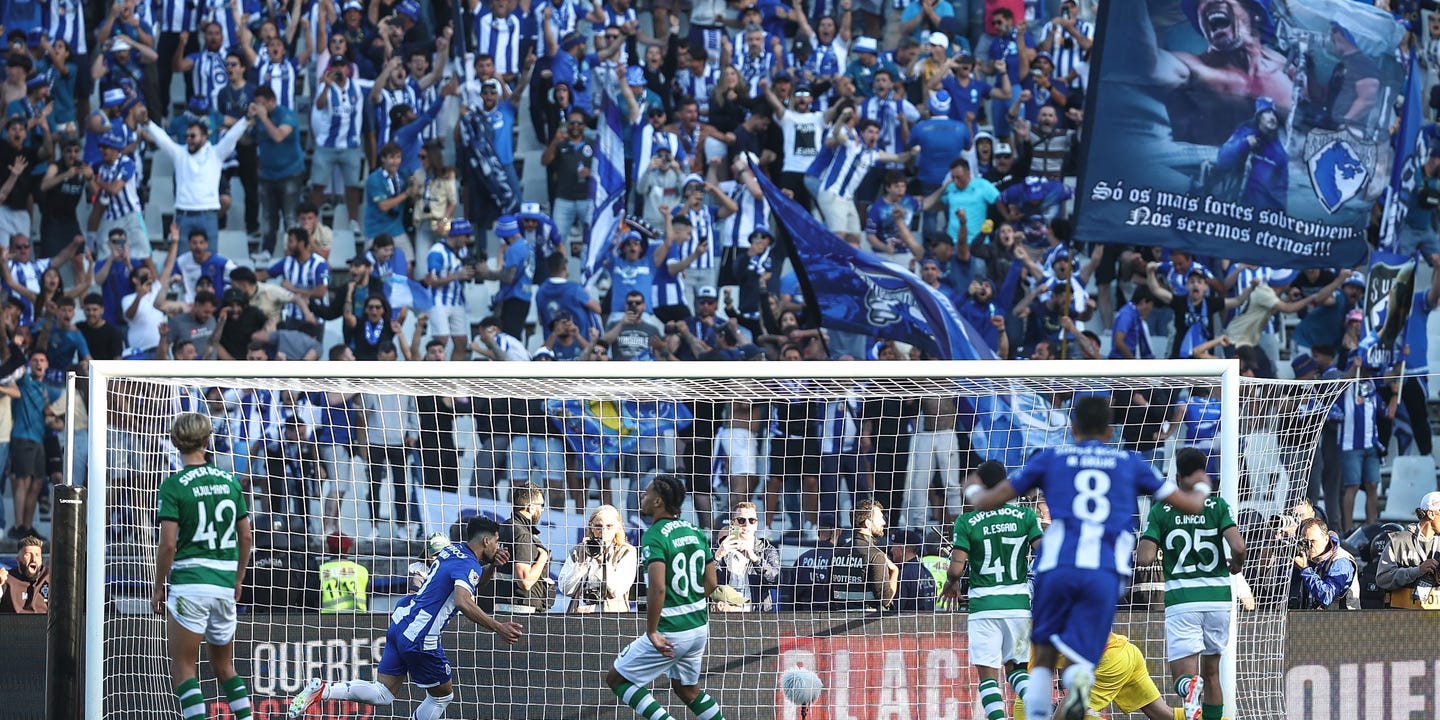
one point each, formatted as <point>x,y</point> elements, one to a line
<point>1254,130</point>
<point>1366,664</point>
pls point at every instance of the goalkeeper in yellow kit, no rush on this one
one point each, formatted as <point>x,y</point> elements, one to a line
<point>1122,678</point>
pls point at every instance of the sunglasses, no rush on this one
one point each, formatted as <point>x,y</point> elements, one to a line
<point>576,122</point>
<point>747,521</point>
<point>374,307</point>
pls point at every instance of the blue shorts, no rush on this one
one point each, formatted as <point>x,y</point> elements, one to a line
<point>1359,467</point>
<point>426,668</point>
<point>1073,610</point>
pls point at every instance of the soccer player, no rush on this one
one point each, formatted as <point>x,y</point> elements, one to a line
<point>995,543</point>
<point>680,575</point>
<point>1090,489</point>
<point>204,542</point>
<point>412,644</point>
<point>1123,678</point>
<point>1197,587</point>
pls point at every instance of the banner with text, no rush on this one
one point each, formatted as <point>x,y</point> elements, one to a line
<point>1253,131</point>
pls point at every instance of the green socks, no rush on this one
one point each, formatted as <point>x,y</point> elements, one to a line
<point>192,701</point>
<point>705,708</point>
<point>641,701</point>
<point>238,697</point>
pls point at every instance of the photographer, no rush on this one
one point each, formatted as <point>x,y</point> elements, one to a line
<point>524,586</point>
<point>746,562</point>
<point>1408,567</point>
<point>599,572</point>
<point>1325,574</point>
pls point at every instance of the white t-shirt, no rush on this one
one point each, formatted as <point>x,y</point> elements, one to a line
<point>804,134</point>
<point>144,331</point>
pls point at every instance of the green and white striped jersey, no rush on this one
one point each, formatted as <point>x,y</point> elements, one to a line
<point>207,503</point>
<point>1192,554</point>
<point>685,551</point>
<point>997,543</point>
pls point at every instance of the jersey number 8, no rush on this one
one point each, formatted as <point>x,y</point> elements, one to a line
<point>1091,503</point>
<point>205,532</point>
<point>687,573</point>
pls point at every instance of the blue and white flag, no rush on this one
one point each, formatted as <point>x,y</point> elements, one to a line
<point>1411,150</point>
<point>608,183</point>
<point>1253,131</point>
<point>857,292</point>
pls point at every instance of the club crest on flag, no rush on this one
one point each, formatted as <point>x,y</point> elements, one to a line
<point>885,296</point>
<point>1340,165</point>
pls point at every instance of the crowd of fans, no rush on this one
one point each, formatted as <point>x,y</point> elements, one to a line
<point>943,136</point>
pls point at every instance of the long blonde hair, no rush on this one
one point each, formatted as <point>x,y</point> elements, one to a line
<point>619,524</point>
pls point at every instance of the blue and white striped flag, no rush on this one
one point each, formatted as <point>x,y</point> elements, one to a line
<point>609,182</point>
<point>1411,150</point>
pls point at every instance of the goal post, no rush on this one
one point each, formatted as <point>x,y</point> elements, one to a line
<point>621,439</point>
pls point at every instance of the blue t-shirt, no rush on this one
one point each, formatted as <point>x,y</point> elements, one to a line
<point>628,276</point>
<point>28,410</point>
<point>502,121</point>
<point>520,257</point>
<point>285,158</point>
<point>67,347</point>
<point>379,187</point>
<point>334,423</point>
<point>1417,361</point>
<point>422,617</point>
<point>1202,421</point>
<point>553,297</point>
<point>1128,321</point>
<point>1090,489</point>
<point>975,200</point>
<point>941,140</point>
<point>117,285</point>
<point>967,99</point>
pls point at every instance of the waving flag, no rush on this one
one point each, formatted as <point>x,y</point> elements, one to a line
<point>857,292</point>
<point>608,178</point>
<point>599,431</point>
<point>1411,149</point>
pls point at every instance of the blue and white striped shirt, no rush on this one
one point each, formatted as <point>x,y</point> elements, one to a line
<point>424,99</point>
<point>443,261</point>
<point>338,124</point>
<point>698,86</point>
<point>127,201</point>
<point>1359,423</point>
<point>889,113</point>
<point>848,168</point>
<point>177,16</point>
<point>65,20</point>
<point>752,212</point>
<point>279,77</point>
<point>307,275</point>
<point>208,73</point>
<point>390,98</point>
<point>563,15</point>
<point>702,228</point>
<point>669,289</point>
<point>755,69</point>
<point>499,37</point>
<point>840,426</point>
<point>421,618</point>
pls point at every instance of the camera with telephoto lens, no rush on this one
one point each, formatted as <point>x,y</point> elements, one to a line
<point>592,545</point>
<point>1302,546</point>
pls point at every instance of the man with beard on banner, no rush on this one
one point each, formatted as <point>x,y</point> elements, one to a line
<point>1255,130</point>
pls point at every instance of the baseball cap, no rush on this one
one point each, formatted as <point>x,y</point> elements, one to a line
<point>866,44</point>
<point>198,105</point>
<point>930,261</point>
<point>1429,501</point>
<point>1358,280</point>
<point>38,80</point>
<point>112,98</point>
<point>410,9</point>
<point>751,351</point>
<point>939,39</point>
<point>801,90</point>
<point>531,211</point>
<point>940,103</point>
<point>634,76</point>
<point>232,296</point>
<point>762,230</point>
<point>1042,55</point>
<point>120,44</point>
<point>965,59</point>
<point>112,141</point>
<point>1354,316</point>
<point>491,84</point>
<point>561,316</point>
<point>507,226</point>
<point>461,226</point>
<point>544,353</point>
<point>1003,149</point>
<point>690,179</point>
<point>1303,364</point>
<point>353,5</point>
<point>706,292</point>
<point>906,537</point>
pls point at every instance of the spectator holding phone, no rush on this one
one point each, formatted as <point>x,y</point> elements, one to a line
<point>747,562</point>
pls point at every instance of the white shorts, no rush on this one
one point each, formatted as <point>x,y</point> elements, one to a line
<point>212,617</point>
<point>1200,632</point>
<point>839,213</point>
<point>339,470</point>
<point>996,641</point>
<point>641,663</point>
<point>449,320</point>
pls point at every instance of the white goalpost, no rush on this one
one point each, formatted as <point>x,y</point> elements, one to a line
<point>362,461</point>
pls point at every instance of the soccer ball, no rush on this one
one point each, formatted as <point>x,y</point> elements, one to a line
<point>801,686</point>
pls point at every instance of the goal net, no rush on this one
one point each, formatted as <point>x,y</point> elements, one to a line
<point>349,468</point>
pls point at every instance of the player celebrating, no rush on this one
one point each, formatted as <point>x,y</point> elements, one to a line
<point>412,645</point>
<point>204,543</point>
<point>1197,587</point>
<point>680,574</point>
<point>998,625</point>
<point>1090,489</point>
